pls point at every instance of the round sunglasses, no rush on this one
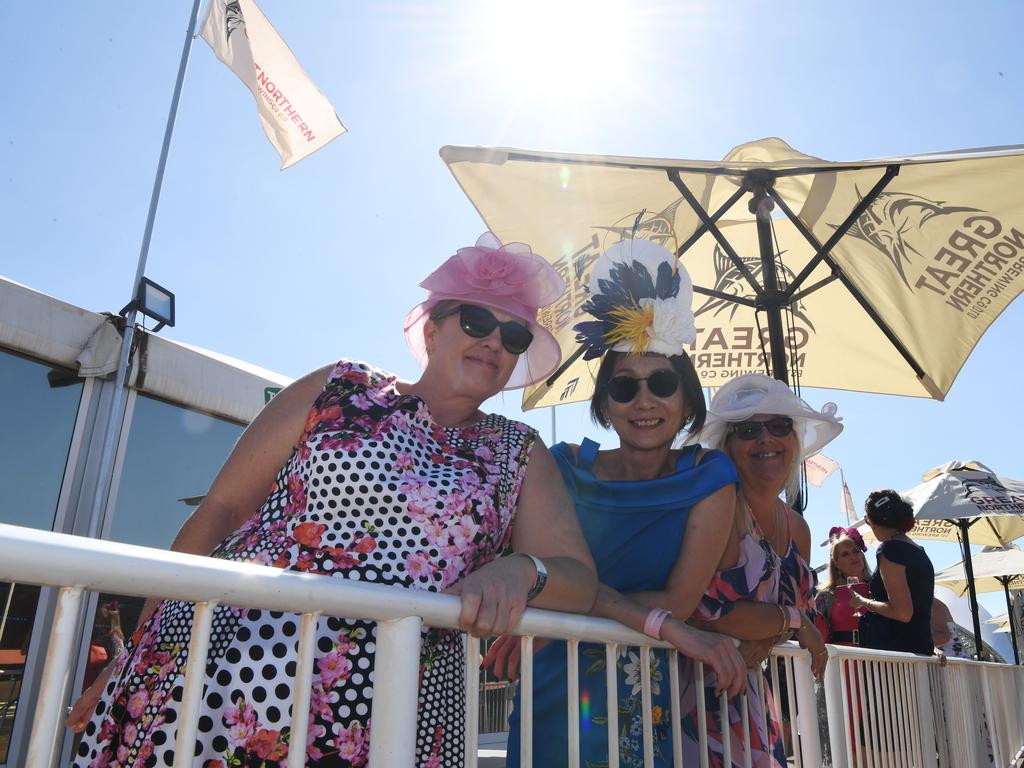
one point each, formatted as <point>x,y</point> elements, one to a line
<point>480,323</point>
<point>779,426</point>
<point>662,383</point>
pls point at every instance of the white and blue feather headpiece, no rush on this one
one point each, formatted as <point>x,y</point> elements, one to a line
<point>641,300</point>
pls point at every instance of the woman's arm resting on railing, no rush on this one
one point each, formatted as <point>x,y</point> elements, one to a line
<point>900,606</point>
<point>239,489</point>
<point>703,547</point>
<point>494,597</point>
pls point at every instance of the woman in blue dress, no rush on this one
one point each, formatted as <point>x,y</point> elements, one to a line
<point>652,515</point>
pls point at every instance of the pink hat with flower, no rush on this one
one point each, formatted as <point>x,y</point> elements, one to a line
<point>508,277</point>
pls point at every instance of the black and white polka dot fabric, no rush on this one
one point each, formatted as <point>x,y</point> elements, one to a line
<point>375,490</point>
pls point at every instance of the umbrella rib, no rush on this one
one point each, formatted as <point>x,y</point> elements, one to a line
<point>705,224</point>
<point>730,297</point>
<point>837,271</point>
<point>674,177</point>
<point>812,288</point>
<point>824,251</point>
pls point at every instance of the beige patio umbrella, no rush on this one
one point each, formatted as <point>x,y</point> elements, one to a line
<point>995,570</point>
<point>874,276</point>
<point>1002,622</point>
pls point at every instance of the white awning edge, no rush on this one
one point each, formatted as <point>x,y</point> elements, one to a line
<point>57,333</point>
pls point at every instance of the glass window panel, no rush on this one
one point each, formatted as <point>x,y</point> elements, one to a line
<point>38,408</point>
<point>17,612</point>
<point>172,457</point>
<point>38,419</point>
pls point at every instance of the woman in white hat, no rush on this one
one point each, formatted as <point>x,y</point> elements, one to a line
<point>763,590</point>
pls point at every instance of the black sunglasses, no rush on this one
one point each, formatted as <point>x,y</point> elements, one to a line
<point>779,426</point>
<point>662,383</point>
<point>480,323</point>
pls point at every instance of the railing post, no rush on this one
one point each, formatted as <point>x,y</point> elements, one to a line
<point>807,711</point>
<point>838,725</point>
<point>54,685</point>
<point>925,715</point>
<point>192,693</point>
<point>395,692</point>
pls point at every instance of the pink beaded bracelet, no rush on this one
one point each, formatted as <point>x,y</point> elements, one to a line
<point>795,619</point>
<point>653,622</point>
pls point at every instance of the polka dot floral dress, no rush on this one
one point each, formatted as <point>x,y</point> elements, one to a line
<point>376,491</point>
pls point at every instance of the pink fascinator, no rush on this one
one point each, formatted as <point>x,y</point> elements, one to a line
<point>509,277</point>
<point>838,532</point>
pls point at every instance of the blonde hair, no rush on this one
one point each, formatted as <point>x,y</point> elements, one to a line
<point>792,486</point>
<point>834,575</point>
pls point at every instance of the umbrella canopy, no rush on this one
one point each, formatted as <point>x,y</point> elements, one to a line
<point>964,490</point>
<point>991,568</point>
<point>968,490</point>
<point>874,276</point>
<point>994,570</point>
<point>1002,622</point>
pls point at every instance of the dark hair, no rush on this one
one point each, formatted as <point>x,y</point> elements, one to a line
<point>889,510</point>
<point>693,395</point>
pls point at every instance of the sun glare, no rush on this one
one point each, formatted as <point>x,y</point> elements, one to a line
<point>565,49</point>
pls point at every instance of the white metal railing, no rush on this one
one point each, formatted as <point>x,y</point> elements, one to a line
<point>896,709</point>
<point>883,709</point>
<point>77,565</point>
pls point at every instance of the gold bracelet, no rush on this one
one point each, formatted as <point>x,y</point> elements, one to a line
<point>784,627</point>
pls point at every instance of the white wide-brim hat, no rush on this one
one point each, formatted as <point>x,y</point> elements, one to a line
<point>754,393</point>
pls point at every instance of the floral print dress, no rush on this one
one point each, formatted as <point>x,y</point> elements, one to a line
<point>375,490</point>
<point>759,575</point>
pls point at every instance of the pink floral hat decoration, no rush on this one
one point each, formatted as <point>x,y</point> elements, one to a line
<point>509,277</point>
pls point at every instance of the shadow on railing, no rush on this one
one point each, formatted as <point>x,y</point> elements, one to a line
<point>885,709</point>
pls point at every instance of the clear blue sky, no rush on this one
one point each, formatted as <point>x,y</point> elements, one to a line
<point>291,270</point>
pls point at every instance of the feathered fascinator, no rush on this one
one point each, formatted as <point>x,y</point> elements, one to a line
<point>641,300</point>
<point>838,532</point>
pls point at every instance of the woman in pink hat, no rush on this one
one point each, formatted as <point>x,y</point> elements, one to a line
<point>400,483</point>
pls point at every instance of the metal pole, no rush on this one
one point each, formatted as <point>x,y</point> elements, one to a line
<point>554,433</point>
<point>1005,581</point>
<point>964,526</point>
<point>117,400</point>
<point>761,206</point>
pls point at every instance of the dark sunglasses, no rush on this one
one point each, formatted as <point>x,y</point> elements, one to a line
<point>779,426</point>
<point>480,323</point>
<point>663,383</point>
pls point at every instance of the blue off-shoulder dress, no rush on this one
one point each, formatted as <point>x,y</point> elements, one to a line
<point>635,530</point>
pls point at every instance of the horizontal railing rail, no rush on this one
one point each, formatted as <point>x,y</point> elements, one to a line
<point>76,565</point>
<point>883,709</point>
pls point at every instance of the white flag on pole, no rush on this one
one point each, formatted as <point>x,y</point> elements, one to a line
<point>847,505</point>
<point>296,117</point>
<point>818,467</point>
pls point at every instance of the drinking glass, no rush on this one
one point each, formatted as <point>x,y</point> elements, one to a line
<point>851,581</point>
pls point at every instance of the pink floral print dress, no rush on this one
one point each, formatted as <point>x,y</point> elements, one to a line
<point>375,490</point>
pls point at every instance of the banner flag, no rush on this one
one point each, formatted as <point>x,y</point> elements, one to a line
<point>818,467</point>
<point>296,117</point>
<point>847,505</point>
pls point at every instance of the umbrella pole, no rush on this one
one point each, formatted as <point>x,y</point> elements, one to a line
<point>964,526</point>
<point>1005,581</point>
<point>772,298</point>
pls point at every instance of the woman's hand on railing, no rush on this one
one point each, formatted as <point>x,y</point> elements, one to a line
<point>755,652</point>
<point>716,651</point>
<point>81,711</point>
<point>505,654</point>
<point>494,597</point>
<point>810,638</point>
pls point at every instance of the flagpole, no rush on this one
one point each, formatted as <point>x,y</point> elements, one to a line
<point>115,422</point>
